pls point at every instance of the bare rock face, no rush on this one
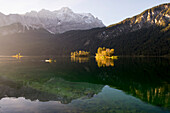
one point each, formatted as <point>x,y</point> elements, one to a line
<point>53,21</point>
<point>156,16</point>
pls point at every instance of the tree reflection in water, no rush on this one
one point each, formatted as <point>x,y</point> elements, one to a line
<point>105,62</point>
<point>80,59</point>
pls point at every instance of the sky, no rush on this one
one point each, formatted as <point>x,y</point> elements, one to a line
<point>109,11</point>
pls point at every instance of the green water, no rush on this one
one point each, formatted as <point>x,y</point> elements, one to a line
<point>126,85</point>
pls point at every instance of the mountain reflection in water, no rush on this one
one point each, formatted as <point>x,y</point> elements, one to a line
<point>84,87</point>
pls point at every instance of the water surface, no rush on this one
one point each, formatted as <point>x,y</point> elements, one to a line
<point>29,85</point>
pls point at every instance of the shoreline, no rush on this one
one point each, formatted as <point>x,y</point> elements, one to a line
<point>125,56</point>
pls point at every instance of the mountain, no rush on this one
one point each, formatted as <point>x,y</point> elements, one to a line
<point>156,16</point>
<point>58,21</point>
<point>146,34</point>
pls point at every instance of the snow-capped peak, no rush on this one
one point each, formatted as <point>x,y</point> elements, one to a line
<point>65,10</point>
<point>57,21</point>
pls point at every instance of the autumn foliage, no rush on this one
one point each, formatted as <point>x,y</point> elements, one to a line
<point>80,54</point>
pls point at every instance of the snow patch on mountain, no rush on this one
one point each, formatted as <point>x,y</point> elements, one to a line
<point>58,21</point>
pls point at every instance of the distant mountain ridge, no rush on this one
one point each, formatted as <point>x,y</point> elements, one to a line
<point>147,34</point>
<point>58,21</point>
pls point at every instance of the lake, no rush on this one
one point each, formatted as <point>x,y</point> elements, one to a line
<point>84,85</point>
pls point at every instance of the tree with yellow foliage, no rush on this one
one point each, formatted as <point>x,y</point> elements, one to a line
<point>105,53</point>
<point>80,54</point>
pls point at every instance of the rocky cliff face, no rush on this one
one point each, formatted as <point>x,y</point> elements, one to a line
<point>156,16</point>
<point>53,21</point>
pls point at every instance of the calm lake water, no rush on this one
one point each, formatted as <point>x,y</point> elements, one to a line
<point>126,85</point>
